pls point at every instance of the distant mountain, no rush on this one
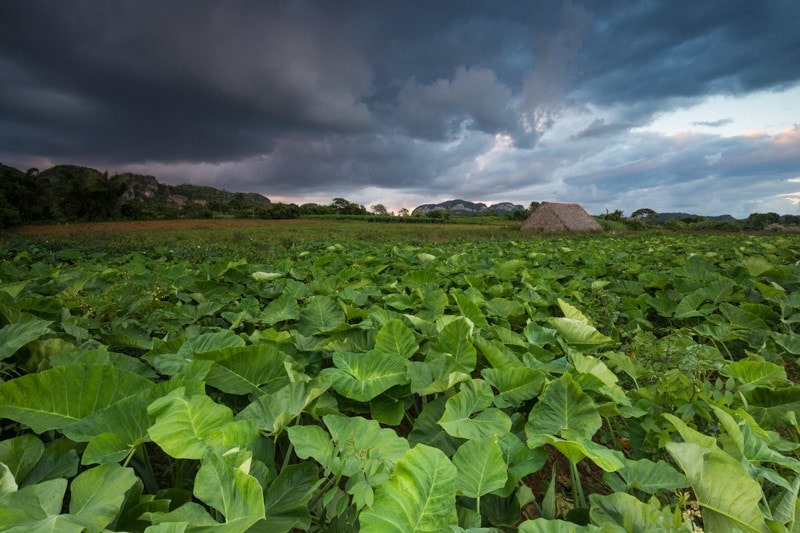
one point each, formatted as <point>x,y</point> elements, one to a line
<point>464,207</point>
<point>148,190</point>
<point>70,192</point>
<point>661,218</point>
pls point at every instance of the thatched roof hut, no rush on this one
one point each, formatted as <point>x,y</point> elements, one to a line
<point>551,216</point>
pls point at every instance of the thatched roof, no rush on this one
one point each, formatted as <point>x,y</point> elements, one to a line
<point>550,216</point>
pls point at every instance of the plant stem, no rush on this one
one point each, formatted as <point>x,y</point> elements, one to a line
<point>577,488</point>
<point>287,455</point>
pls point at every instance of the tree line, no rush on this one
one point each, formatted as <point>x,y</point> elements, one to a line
<point>68,193</point>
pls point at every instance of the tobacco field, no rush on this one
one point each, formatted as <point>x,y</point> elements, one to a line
<point>604,383</point>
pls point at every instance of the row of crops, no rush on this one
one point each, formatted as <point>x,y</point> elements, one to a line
<point>574,384</point>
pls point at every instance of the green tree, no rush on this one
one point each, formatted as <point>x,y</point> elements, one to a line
<point>614,215</point>
<point>379,209</point>
<point>9,215</point>
<point>759,221</point>
<point>342,206</point>
<point>94,197</point>
<point>644,214</point>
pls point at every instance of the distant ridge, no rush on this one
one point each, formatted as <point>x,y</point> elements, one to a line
<point>464,207</point>
<point>148,190</point>
<point>666,217</point>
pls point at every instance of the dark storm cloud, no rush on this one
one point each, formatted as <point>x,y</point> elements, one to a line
<point>653,50</point>
<point>451,98</point>
<point>174,81</point>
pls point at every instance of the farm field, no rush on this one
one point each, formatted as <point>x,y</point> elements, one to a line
<point>337,376</point>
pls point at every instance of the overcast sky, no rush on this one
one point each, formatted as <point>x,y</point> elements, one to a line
<point>674,105</point>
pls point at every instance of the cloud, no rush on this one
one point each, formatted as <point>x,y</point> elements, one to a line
<point>651,51</point>
<point>437,110</point>
<point>714,123</point>
<point>513,101</point>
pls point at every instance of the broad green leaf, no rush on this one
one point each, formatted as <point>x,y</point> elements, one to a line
<point>438,373</point>
<point>564,407</point>
<point>272,413</point>
<point>58,397</point>
<point>727,495</point>
<point>542,525</point>
<point>419,497</point>
<point>26,508</point>
<point>757,266</point>
<point>577,448</point>
<point>224,483</point>
<point>363,376</point>
<point>15,336</point>
<point>210,346</point>
<point>723,487</point>
<point>248,369</point>
<point>20,454</point>
<point>587,365</point>
<point>504,307</point>
<point>395,339</point>
<point>190,516</point>
<point>481,468</point>
<point>752,444</point>
<point>286,499</point>
<point>321,314</point>
<point>114,431</point>
<point>690,306</point>
<point>281,309</point>
<point>538,335</point>
<point>353,445</point>
<point>189,426</point>
<point>97,495</point>
<point>719,290</point>
<point>427,430</point>
<point>514,385</point>
<point>571,311</point>
<point>388,409</point>
<point>363,438</point>
<point>7,482</point>
<point>454,340</point>
<point>647,476</point>
<point>754,373</point>
<point>521,461</point>
<point>742,318</point>
<point>625,511</point>
<point>471,310</point>
<point>577,332</point>
<point>105,448</point>
<point>790,343</point>
<point>468,414</point>
<point>314,441</point>
<point>59,460</point>
<point>773,407</point>
<point>497,354</point>
<point>786,508</point>
<point>265,276</point>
